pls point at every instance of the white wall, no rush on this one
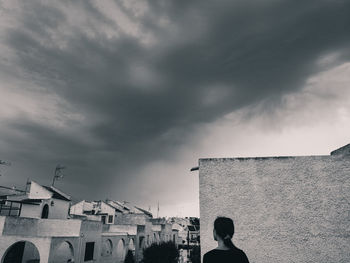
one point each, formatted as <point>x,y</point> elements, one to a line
<point>285,209</point>
<point>59,210</point>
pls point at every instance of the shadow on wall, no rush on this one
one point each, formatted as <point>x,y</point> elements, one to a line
<point>22,252</point>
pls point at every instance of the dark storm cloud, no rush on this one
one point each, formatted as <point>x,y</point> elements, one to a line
<point>141,98</point>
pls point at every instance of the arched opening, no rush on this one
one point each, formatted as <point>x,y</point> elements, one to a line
<point>45,212</point>
<point>21,252</point>
<point>131,245</point>
<point>64,253</point>
<point>107,248</point>
<point>121,250</point>
<point>142,245</point>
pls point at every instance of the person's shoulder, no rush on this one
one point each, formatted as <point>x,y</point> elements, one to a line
<point>211,252</point>
<point>208,257</point>
<point>241,254</point>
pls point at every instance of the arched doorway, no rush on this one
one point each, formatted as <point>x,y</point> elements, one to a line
<point>131,245</point>
<point>64,253</point>
<point>142,246</point>
<point>45,212</point>
<point>21,252</point>
<point>121,250</point>
<point>155,238</point>
<point>107,248</point>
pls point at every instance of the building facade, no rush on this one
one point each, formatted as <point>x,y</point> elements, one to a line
<point>39,225</point>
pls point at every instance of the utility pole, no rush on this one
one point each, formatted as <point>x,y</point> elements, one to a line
<point>188,243</point>
<point>158,210</point>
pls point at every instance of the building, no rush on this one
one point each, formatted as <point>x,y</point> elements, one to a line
<point>60,240</point>
<point>96,211</point>
<point>186,228</point>
<point>36,202</point>
<point>40,225</point>
<point>285,209</point>
<point>149,230</point>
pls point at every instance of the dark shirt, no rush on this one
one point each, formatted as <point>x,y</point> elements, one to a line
<point>234,255</point>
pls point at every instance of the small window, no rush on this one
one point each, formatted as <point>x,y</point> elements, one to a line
<point>103,219</point>
<point>89,251</point>
<point>110,219</point>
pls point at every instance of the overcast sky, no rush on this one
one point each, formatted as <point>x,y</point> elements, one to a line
<point>128,94</point>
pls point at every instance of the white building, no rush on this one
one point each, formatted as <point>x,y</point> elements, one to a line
<point>95,210</point>
<point>37,202</point>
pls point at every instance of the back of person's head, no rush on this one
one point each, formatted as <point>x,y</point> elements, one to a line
<point>225,229</point>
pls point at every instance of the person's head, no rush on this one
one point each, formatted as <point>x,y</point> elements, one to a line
<point>224,230</point>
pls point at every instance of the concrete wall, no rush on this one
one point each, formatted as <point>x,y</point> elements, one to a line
<point>91,232</point>
<point>31,211</point>
<point>57,210</point>
<point>130,229</point>
<point>285,209</point>
<point>133,219</point>
<point>20,226</point>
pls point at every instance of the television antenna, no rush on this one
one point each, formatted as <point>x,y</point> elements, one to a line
<point>4,163</point>
<point>58,173</point>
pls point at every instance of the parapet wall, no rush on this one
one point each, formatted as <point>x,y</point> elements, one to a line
<point>293,209</point>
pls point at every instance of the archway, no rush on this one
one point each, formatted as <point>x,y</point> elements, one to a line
<point>142,246</point>
<point>107,248</point>
<point>45,212</point>
<point>64,253</point>
<point>131,245</point>
<point>21,252</point>
<point>121,250</point>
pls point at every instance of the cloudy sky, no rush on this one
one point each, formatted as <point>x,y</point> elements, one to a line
<point>128,94</point>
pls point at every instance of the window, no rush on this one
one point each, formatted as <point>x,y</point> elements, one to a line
<point>103,219</point>
<point>110,219</point>
<point>89,251</point>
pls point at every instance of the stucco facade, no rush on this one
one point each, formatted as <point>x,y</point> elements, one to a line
<point>58,241</point>
<point>285,209</point>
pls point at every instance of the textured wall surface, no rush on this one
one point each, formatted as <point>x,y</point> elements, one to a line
<point>294,209</point>
<point>21,226</point>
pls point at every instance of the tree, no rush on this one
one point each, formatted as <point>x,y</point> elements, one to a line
<point>129,257</point>
<point>195,254</point>
<point>165,252</point>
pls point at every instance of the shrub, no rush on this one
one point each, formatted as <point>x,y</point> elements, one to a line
<point>129,257</point>
<point>165,252</point>
<point>195,254</point>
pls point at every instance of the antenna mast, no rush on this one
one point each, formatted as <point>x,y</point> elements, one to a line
<point>58,173</point>
<point>4,163</point>
<point>158,210</point>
